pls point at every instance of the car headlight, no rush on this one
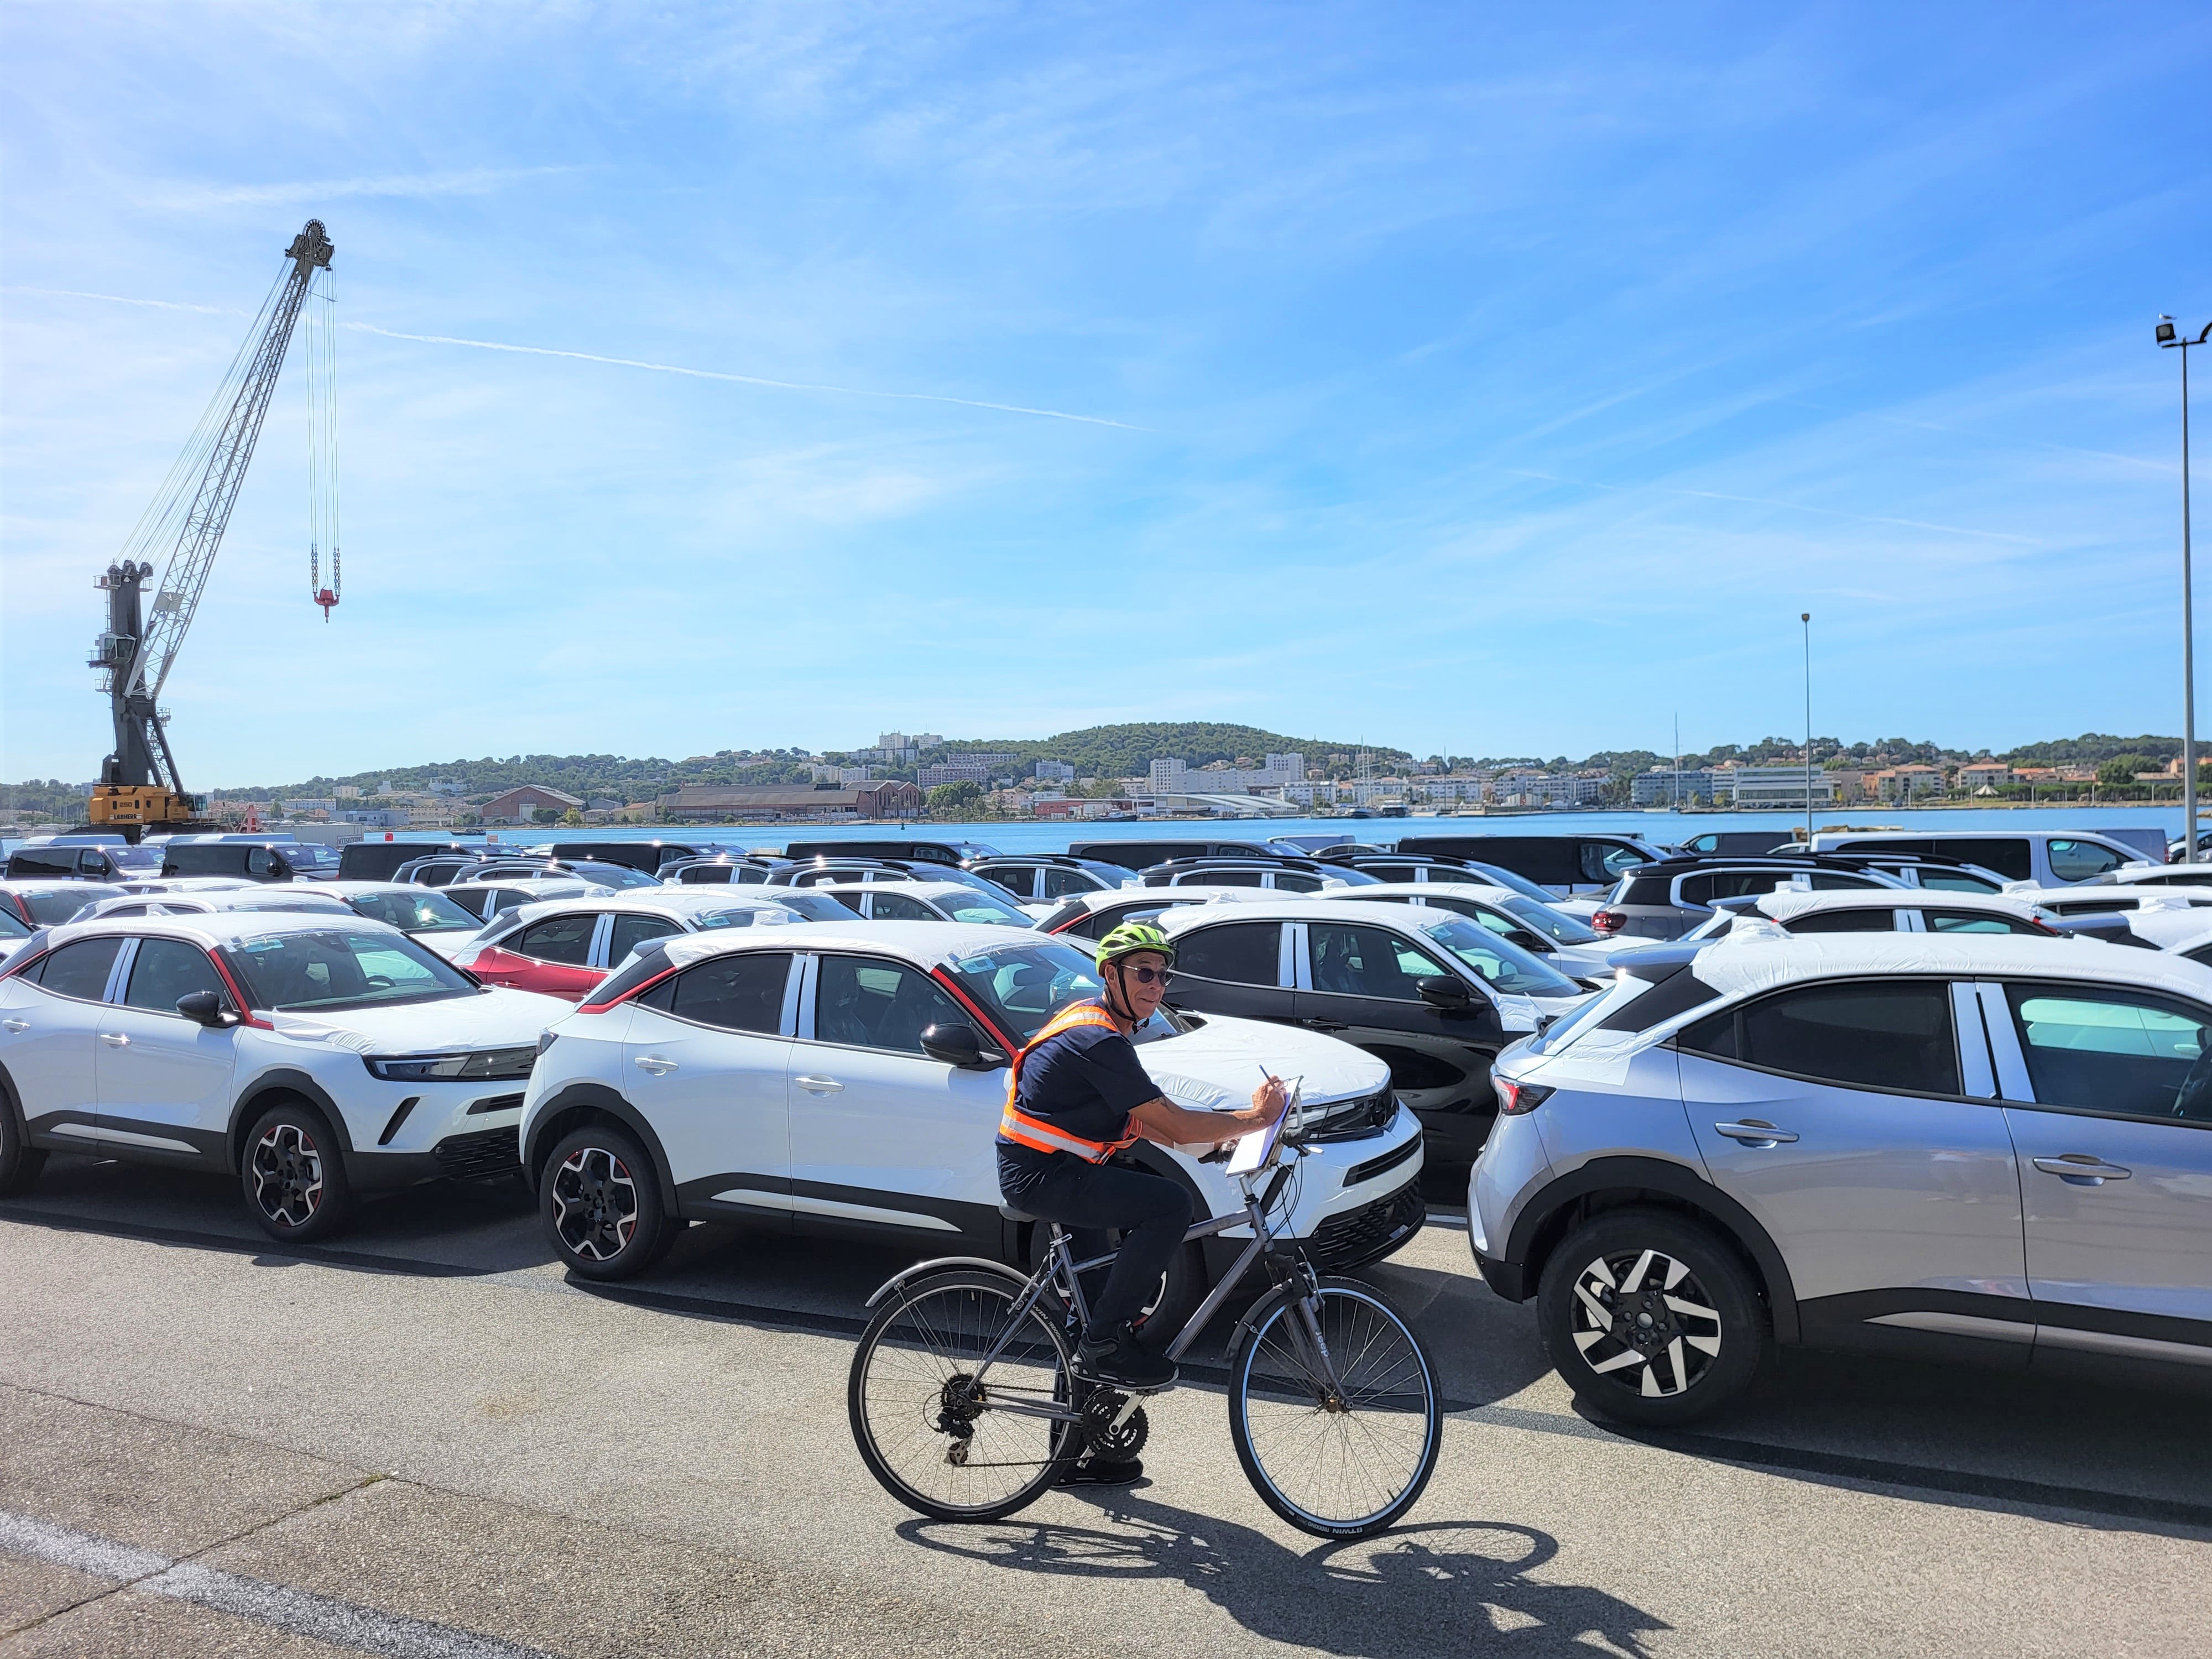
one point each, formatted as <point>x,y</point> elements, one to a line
<point>479,1065</point>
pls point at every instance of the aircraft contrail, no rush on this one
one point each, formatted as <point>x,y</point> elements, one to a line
<point>740,379</point>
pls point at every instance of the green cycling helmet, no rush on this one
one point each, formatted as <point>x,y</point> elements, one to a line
<point>1131,939</point>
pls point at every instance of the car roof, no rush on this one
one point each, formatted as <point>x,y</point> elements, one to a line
<point>1782,905</point>
<point>903,889</point>
<point>1304,906</point>
<point>2160,874</point>
<point>1470,889</point>
<point>216,927</point>
<point>49,884</point>
<point>1745,961</point>
<point>925,944</point>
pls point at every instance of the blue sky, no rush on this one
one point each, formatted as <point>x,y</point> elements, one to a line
<point>1425,374</point>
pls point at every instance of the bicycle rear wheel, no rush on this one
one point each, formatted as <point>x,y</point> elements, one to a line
<point>1342,1461</point>
<point>936,1430</point>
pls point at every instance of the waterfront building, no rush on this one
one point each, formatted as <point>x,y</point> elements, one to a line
<point>521,806</point>
<point>1178,777</point>
<point>705,802</point>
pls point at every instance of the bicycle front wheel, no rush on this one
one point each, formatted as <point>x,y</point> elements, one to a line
<point>944,1433</point>
<point>1332,1408</point>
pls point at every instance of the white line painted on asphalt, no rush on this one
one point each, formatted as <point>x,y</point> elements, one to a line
<point>324,1618</point>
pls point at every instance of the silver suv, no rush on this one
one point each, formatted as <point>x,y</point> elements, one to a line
<point>1965,1145</point>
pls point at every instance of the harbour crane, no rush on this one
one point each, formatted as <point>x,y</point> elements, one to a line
<point>139,787</point>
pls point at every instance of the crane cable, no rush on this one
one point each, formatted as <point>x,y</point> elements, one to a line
<point>322,361</point>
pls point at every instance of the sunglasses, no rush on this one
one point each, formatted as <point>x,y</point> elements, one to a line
<point>1148,975</point>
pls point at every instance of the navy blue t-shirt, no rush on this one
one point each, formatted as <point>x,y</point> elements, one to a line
<point>1084,1082</point>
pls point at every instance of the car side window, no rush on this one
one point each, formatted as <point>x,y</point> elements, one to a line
<point>565,939</point>
<point>1368,962</point>
<point>1291,881</point>
<point>1061,883</point>
<point>261,861</point>
<point>897,906</point>
<point>1891,1034</point>
<point>2203,953</point>
<point>2114,1050</point>
<point>1020,880</point>
<point>80,970</point>
<point>1238,953</point>
<point>631,932</point>
<point>2078,860</point>
<point>1844,921</point>
<point>741,992</point>
<point>1220,878</point>
<point>165,969</point>
<point>1974,922</point>
<point>869,1003</point>
<point>1955,881</point>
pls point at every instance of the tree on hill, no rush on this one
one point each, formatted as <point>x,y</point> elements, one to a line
<point>956,797</point>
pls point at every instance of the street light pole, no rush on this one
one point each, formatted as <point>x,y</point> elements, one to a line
<point>2169,337</point>
<point>1806,617</point>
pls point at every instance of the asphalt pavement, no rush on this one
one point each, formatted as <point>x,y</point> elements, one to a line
<point>425,1440</point>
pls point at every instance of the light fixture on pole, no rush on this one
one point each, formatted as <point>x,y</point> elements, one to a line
<point>1806,617</point>
<point>2169,337</point>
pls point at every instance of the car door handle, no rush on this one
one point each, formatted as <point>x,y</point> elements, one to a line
<point>655,1064</point>
<point>1326,1024</point>
<point>14,1024</point>
<point>2082,1170</point>
<point>115,1039</point>
<point>1752,1133</point>
<point>820,1085</point>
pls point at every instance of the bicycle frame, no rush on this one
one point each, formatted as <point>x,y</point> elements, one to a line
<point>1060,1267</point>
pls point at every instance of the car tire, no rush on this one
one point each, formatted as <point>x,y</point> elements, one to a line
<point>294,1174</point>
<point>19,1162</point>
<point>600,1202</point>
<point>1685,1326</point>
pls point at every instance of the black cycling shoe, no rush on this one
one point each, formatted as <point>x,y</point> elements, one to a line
<point>1117,1357</point>
<point>1090,1472</point>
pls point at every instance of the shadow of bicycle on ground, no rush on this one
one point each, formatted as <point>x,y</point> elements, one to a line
<point>1418,1592</point>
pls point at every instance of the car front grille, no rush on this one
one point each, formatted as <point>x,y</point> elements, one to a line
<point>486,1155</point>
<point>1389,1160</point>
<point>1370,1232</point>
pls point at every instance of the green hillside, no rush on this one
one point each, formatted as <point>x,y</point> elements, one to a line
<point>1123,751</point>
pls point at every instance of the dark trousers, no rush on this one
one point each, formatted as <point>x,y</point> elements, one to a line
<point>1152,1212</point>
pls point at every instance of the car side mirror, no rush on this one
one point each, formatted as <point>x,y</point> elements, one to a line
<point>1528,941</point>
<point>957,1045</point>
<point>205,1008</point>
<point>1446,994</point>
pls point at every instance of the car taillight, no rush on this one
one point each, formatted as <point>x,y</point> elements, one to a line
<point>1607,921</point>
<point>1516,1098</point>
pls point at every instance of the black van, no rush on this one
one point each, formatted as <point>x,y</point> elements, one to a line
<point>375,861</point>
<point>646,855</point>
<point>1143,855</point>
<point>254,861</point>
<point>1566,864</point>
<point>82,858</point>
<point>913,852</point>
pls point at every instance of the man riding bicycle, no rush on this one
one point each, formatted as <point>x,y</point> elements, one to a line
<point>1078,1095</point>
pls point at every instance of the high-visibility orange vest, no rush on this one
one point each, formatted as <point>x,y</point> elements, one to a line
<point>1018,1127</point>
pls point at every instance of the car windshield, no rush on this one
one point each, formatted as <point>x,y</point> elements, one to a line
<point>815,906</point>
<point>977,905</point>
<point>612,875</point>
<point>11,926</point>
<point>740,916</point>
<point>1507,967</point>
<point>134,858</point>
<point>418,910</point>
<point>309,855</point>
<point>1498,877</point>
<point>1553,924</point>
<point>1022,986</point>
<point>340,968</point>
<point>49,905</point>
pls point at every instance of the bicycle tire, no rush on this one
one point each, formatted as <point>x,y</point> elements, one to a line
<point>1390,1381</point>
<point>960,1311</point>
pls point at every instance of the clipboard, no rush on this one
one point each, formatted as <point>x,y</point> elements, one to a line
<point>1254,1150</point>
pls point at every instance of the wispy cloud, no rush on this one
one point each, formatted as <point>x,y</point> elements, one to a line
<point>123,300</point>
<point>742,379</point>
<point>472,181</point>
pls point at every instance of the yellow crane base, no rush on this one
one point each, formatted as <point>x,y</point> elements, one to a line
<point>139,805</point>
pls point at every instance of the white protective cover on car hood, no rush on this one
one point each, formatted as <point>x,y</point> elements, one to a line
<point>496,1019</point>
<point>1752,959</point>
<point>1216,1067</point>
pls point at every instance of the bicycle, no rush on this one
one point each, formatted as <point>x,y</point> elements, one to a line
<point>966,1407</point>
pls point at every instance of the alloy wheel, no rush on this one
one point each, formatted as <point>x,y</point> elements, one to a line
<point>288,1174</point>
<point>1644,1322</point>
<point>595,1204</point>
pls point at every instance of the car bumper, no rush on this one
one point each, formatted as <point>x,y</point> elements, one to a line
<point>1508,1278</point>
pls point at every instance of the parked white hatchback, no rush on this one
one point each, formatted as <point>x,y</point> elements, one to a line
<point>849,1076</point>
<point>318,1058</point>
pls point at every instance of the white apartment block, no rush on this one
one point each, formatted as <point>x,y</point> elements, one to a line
<point>1177,777</point>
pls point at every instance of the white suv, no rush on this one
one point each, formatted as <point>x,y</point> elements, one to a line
<point>850,1077</point>
<point>320,1058</point>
